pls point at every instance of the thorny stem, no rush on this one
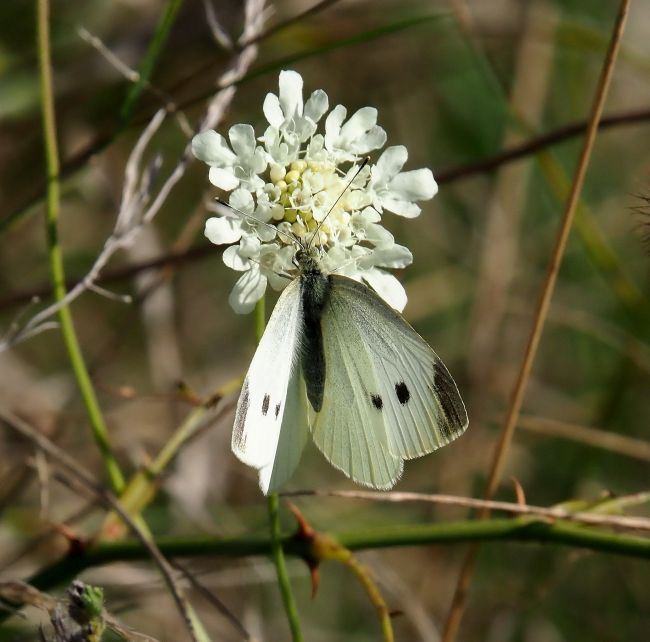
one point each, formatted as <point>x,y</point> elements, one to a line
<point>458,601</point>
<point>84,382</point>
<point>523,529</point>
<point>273,503</point>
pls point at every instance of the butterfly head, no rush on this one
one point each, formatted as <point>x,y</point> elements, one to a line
<point>307,260</point>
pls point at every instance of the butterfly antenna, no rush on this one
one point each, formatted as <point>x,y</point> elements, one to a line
<point>366,160</point>
<point>292,239</point>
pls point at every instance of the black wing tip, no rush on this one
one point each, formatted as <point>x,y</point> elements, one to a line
<point>451,402</point>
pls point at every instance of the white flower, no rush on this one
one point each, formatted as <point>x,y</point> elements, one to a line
<point>285,112</point>
<point>395,190</point>
<point>231,168</point>
<point>261,264</point>
<point>357,137</point>
<point>302,186</point>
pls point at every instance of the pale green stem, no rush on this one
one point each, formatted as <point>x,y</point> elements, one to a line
<point>97,423</point>
<point>274,521</point>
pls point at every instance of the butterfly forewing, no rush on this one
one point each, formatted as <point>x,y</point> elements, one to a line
<point>406,386</point>
<point>294,432</point>
<point>262,402</point>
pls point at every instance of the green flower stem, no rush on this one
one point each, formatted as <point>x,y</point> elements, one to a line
<point>276,541</point>
<point>276,546</point>
<point>97,422</point>
<point>523,529</point>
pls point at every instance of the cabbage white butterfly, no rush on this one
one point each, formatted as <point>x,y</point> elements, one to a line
<point>337,361</point>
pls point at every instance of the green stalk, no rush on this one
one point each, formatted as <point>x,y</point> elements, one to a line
<point>97,422</point>
<point>273,503</point>
<point>524,529</point>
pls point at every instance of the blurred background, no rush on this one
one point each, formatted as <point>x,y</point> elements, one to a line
<point>456,82</point>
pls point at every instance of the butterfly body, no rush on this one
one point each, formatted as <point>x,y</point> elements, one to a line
<point>338,362</point>
<point>315,288</point>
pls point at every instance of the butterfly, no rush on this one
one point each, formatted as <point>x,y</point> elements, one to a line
<point>338,362</point>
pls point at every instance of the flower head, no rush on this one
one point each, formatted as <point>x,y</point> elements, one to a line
<point>296,183</point>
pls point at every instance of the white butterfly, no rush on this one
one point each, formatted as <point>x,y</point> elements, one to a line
<point>337,361</point>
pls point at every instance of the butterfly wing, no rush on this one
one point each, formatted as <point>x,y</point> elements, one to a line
<point>294,432</point>
<point>351,434</point>
<point>399,392</point>
<point>262,403</point>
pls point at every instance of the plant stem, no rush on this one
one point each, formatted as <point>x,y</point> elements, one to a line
<point>527,529</point>
<point>273,503</point>
<point>97,422</point>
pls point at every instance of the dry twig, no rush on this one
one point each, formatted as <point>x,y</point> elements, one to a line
<point>79,477</point>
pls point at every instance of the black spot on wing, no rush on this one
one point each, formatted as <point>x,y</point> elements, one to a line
<point>265,404</point>
<point>402,392</point>
<point>449,400</point>
<point>277,410</point>
<point>377,401</point>
<point>242,410</point>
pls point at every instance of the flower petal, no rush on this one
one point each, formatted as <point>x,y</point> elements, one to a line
<point>273,111</point>
<point>290,93</point>
<point>316,105</point>
<point>387,287</point>
<point>389,165</point>
<point>234,260</point>
<point>416,185</point>
<point>242,139</point>
<point>379,235</point>
<point>222,230</point>
<point>393,256</point>
<point>373,139</point>
<point>248,290</point>
<point>223,178</point>
<point>399,207</point>
<point>242,200</point>
<point>212,149</point>
<point>333,125</point>
<point>360,122</point>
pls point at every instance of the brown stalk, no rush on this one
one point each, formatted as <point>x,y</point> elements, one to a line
<point>460,594</point>
<point>594,516</point>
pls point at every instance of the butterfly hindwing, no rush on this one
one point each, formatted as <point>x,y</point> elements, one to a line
<point>403,384</point>
<point>262,402</point>
<point>351,434</point>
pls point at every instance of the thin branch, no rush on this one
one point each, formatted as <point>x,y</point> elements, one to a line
<point>458,602</point>
<point>604,439</point>
<point>554,513</point>
<point>219,34</point>
<point>537,144</point>
<point>135,77</point>
<point>214,600</point>
<point>80,477</point>
<point>299,17</point>
<point>135,212</point>
<point>121,273</point>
